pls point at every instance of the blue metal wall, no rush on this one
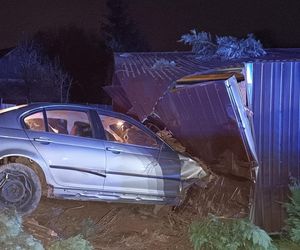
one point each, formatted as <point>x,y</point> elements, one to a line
<point>276,108</point>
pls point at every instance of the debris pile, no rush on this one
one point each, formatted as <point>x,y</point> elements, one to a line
<point>216,194</point>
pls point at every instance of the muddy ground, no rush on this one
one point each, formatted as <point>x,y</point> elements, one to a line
<point>126,226</point>
<point>110,226</point>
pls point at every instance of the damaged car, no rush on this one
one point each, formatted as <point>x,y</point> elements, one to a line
<point>84,153</point>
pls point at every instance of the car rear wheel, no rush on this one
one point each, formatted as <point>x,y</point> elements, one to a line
<point>20,188</point>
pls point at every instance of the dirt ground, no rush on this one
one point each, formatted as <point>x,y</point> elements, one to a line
<point>109,225</point>
<point>117,226</point>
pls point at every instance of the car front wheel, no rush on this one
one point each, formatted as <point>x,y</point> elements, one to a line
<point>20,188</point>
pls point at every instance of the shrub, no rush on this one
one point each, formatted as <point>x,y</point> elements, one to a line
<point>293,212</point>
<point>228,234</point>
<point>12,235</point>
<point>225,47</point>
<point>73,243</point>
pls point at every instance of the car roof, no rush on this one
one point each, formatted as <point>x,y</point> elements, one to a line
<point>10,117</point>
<point>21,109</point>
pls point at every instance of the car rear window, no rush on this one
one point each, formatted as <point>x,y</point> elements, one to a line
<point>35,122</point>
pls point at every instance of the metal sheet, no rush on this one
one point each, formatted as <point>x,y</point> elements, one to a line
<point>120,101</point>
<point>273,95</point>
<point>276,95</point>
<point>144,82</point>
<point>209,120</point>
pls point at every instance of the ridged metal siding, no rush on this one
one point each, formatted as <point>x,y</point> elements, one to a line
<point>205,120</point>
<point>143,83</point>
<point>275,100</point>
<point>276,108</point>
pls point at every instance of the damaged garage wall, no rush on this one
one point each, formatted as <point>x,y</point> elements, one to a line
<point>207,119</point>
<point>144,77</point>
<point>203,117</point>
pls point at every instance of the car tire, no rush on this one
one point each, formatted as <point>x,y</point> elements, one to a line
<point>20,188</point>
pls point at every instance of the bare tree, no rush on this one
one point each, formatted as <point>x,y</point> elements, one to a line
<point>45,80</point>
<point>60,80</point>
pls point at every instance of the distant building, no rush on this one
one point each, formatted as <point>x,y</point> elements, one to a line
<point>12,86</point>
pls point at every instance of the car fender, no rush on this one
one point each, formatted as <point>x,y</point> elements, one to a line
<point>15,143</point>
<point>32,158</point>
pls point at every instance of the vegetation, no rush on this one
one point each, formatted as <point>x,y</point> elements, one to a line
<point>293,212</point>
<point>120,32</point>
<point>41,79</point>
<point>283,243</point>
<point>225,47</point>
<point>234,234</point>
<point>290,239</point>
<point>84,56</point>
<point>228,234</point>
<point>12,236</point>
<point>73,243</point>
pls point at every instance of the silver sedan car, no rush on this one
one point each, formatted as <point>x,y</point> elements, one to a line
<point>84,153</point>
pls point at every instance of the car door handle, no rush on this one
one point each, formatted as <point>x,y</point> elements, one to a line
<point>113,150</point>
<point>42,140</point>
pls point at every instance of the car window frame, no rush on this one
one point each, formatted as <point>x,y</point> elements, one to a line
<point>57,108</point>
<point>31,112</point>
<point>49,108</point>
<point>140,126</point>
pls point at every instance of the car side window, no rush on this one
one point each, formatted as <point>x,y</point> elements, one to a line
<point>69,122</point>
<point>124,132</point>
<point>35,122</point>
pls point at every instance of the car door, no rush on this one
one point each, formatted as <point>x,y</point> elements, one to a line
<point>65,138</point>
<point>138,163</point>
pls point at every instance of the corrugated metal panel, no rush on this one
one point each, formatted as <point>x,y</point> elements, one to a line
<point>120,101</point>
<point>276,107</point>
<point>275,104</point>
<point>144,81</point>
<point>205,119</point>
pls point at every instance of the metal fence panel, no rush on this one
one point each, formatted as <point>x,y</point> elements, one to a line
<point>276,107</point>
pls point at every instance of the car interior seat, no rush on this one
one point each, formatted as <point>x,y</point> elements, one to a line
<point>82,129</point>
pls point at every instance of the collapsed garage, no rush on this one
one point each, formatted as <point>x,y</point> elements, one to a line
<point>239,118</point>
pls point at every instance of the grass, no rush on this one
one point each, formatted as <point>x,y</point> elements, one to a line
<point>284,244</point>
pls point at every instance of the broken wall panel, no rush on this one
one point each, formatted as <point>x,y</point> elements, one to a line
<point>203,118</point>
<point>276,95</point>
<point>120,100</point>
<point>274,100</point>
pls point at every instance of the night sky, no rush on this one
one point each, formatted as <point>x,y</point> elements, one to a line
<point>275,23</point>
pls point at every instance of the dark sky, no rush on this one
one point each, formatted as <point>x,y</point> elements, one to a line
<point>275,22</point>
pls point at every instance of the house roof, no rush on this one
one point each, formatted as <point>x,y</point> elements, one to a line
<point>9,66</point>
<point>173,65</point>
<point>5,51</point>
<point>144,77</point>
